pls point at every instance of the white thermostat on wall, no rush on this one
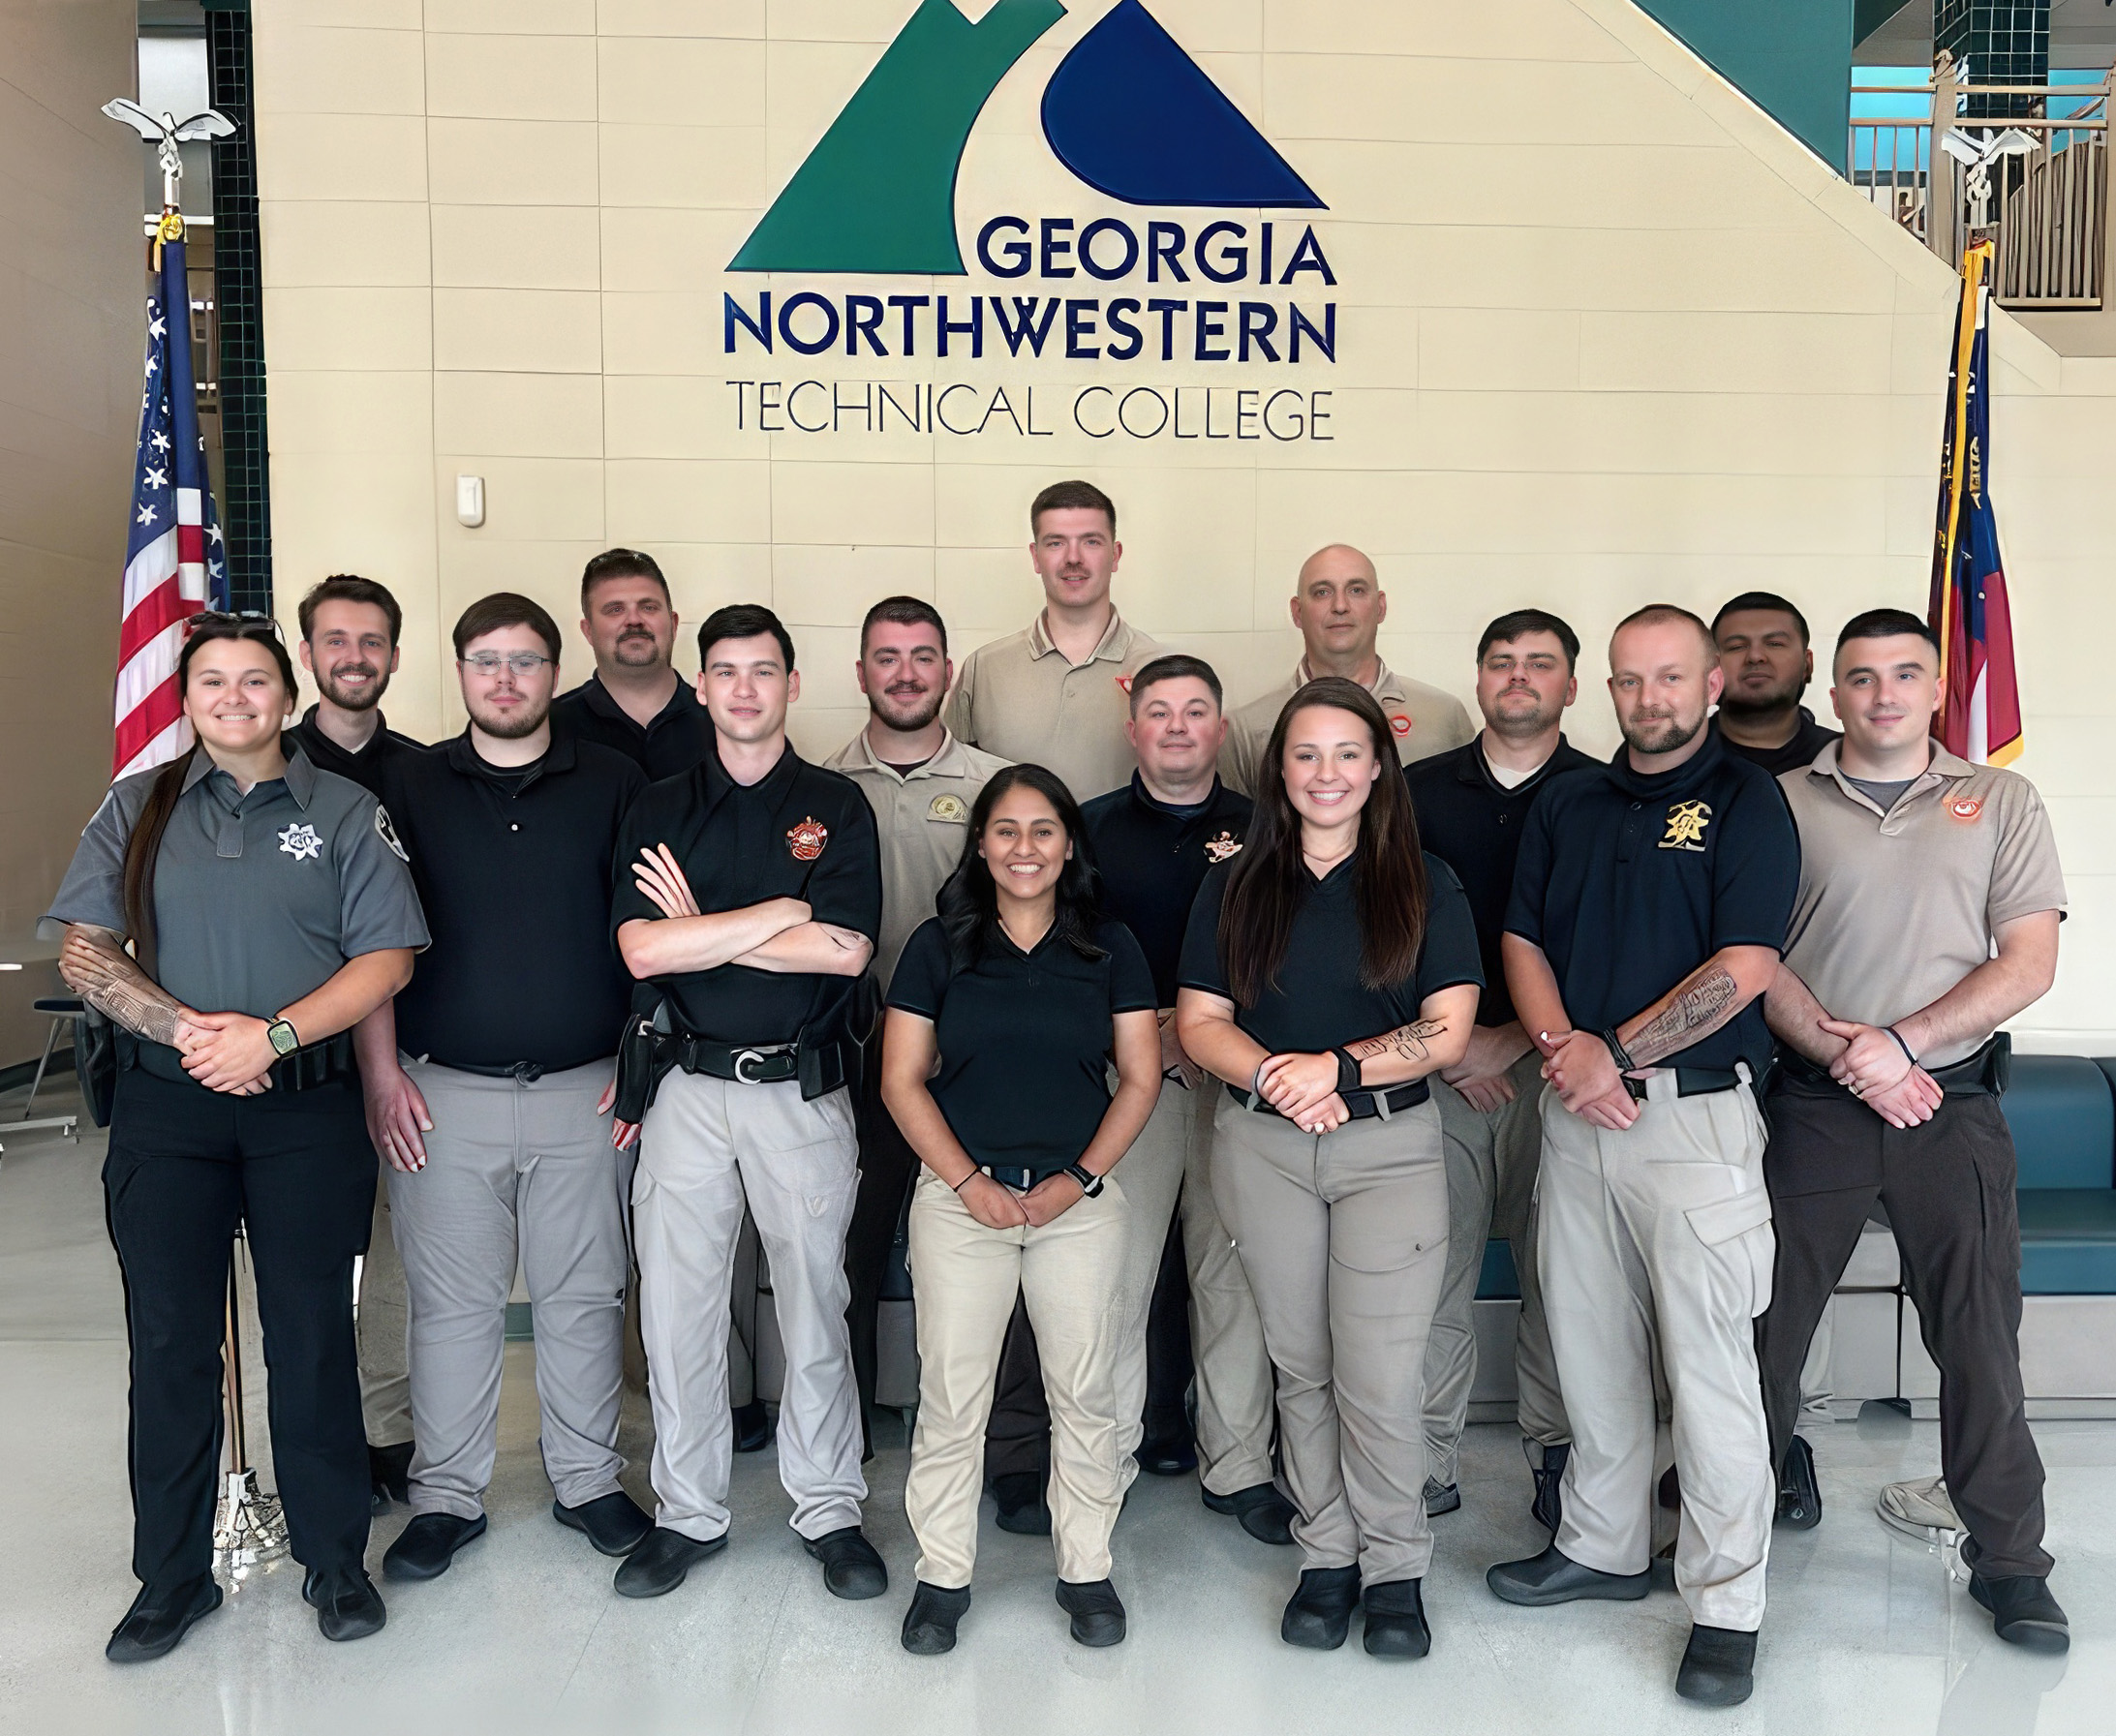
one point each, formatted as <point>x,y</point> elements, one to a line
<point>469,501</point>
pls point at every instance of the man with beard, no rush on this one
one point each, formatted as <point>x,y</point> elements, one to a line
<point>1650,909</point>
<point>1765,658</point>
<point>635,702</point>
<point>489,1081</point>
<point>1471,804</point>
<point>350,627</point>
<point>921,782</point>
<point>1338,605</point>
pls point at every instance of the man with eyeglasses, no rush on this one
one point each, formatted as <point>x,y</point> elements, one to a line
<point>489,1085</point>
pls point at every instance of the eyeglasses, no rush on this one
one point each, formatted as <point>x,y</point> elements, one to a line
<point>242,619</point>
<point>489,662</point>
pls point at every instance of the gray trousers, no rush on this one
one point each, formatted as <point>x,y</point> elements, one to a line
<point>1656,1255</point>
<point>707,1145</point>
<point>1345,1238</point>
<point>514,1169</point>
<point>383,1325</point>
<point>1491,1183</point>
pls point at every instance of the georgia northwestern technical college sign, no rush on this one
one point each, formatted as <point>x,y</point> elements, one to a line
<point>1131,115</point>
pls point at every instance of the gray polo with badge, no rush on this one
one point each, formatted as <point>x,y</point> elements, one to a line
<point>259,897</point>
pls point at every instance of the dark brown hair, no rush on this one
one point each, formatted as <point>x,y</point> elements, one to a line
<point>505,608</point>
<point>904,611</point>
<point>620,563</point>
<point>1268,880</point>
<point>1176,666</point>
<point>1072,496</point>
<point>350,588</point>
<point>969,901</point>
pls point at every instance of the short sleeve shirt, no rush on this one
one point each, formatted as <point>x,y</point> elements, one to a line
<point>1894,911</point>
<point>1319,1002</point>
<point>1628,883</point>
<point>1423,720</point>
<point>800,832</point>
<point>679,737</point>
<point>1153,858</point>
<point>259,896</point>
<point>1024,1039</point>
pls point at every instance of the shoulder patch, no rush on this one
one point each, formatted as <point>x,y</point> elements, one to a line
<point>387,831</point>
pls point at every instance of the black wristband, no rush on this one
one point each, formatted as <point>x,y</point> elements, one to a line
<point>1617,1052</point>
<point>967,1179</point>
<point>1090,1184</point>
<point>1900,1044</point>
<point>1348,1072</point>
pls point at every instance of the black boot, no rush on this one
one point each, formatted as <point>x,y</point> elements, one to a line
<point>1319,1614</point>
<point>928,1625</point>
<point>1718,1667</point>
<point>158,1620</point>
<point>852,1566</point>
<point>2023,1613</point>
<point>1799,1495</point>
<point>1097,1612</point>
<point>1396,1619</point>
<point>1554,1578</point>
<point>346,1604</point>
<point>1265,1514</point>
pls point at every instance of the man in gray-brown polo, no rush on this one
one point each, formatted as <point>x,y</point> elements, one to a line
<point>1056,694</point>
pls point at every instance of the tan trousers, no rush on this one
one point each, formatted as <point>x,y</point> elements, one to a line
<point>384,1332</point>
<point>1345,1238</point>
<point>967,1275</point>
<point>1656,1255</point>
<point>1491,1184</point>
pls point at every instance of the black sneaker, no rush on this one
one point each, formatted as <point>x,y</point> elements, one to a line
<point>346,1604</point>
<point>2023,1613</point>
<point>1799,1495</point>
<point>1097,1612</point>
<point>852,1566</point>
<point>1023,1508</point>
<point>1550,1475</point>
<point>156,1624</point>
<point>1264,1512</point>
<point>425,1547</point>
<point>1718,1667</point>
<point>1396,1619</point>
<point>614,1523</point>
<point>388,1474</point>
<point>928,1625</point>
<point>1319,1613</point>
<point>1441,1498</point>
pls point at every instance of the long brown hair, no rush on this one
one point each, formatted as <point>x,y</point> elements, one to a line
<point>1268,880</point>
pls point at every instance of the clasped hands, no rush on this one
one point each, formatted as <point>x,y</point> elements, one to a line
<point>1877,1070</point>
<point>997,1207</point>
<point>1578,1063</point>
<point>1304,1088</point>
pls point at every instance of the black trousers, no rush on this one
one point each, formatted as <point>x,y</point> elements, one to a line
<point>185,1166</point>
<point>1947,1188</point>
<point>888,1166</point>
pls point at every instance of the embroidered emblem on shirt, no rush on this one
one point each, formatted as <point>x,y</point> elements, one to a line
<point>301,843</point>
<point>806,840</point>
<point>1218,849</point>
<point>1400,725</point>
<point>388,832</point>
<point>1965,808</point>
<point>1686,823</point>
<point>951,808</point>
<point>1124,685</point>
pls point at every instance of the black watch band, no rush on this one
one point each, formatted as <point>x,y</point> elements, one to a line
<point>1348,1073</point>
<point>1090,1184</point>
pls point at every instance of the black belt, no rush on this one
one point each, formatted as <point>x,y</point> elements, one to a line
<point>1690,1082</point>
<point>746,1063</point>
<point>318,1064</point>
<point>526,1072</point>
<point>1010,1175</point>
<point>1363,1105</point>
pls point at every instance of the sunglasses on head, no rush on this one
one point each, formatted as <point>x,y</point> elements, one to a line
<point>242,619</point>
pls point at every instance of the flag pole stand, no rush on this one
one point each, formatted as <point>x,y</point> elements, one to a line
<point>248,1526</point>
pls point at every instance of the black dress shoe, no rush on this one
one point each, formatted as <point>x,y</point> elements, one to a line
<point>1441,1498</point>
<point>1396,1619</point>
<point>853,1568</point>
<point>614,1523</point>
<point>1799,1495</point>
<point>2023,1613</point>
<point>928,1625</point>
<point>425,1547</point>
<point>1172,1455</point>
<point>660,1562</point>
<point>1319,1614</point>
<point>388,1472</point>
<point>1023,1508</point>
<point>1097,1612</point>
<point>752,1426</point>
<point>1554,1578</point>
<point>158,1620</point>
<point>1265,1513</point>
<point>1547,1506</point>
<point>346,1604</point>
<point>1718,1667</point>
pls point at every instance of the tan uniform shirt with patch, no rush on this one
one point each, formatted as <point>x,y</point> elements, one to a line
<point>1894,911</point>
<point>1017,697</point>
<point>1426,720</point>
<point>922,821</point>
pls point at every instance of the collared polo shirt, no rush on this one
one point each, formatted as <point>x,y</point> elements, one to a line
<point>513,866</point>
<point>1894,909</point>
<point>259,896</point>
<point>680,737</point>
<point>922,818</point>
<point>1152,859</point>
<point>1796,756</point>
<point>1423,720</point>
<point>801,831</point>
<point>1025,1038</point>
<point>1473,823</point>
<point>368,768</point>
<point>1018,698</point>
<point>1319,1002</point>
<point>1629,882</point>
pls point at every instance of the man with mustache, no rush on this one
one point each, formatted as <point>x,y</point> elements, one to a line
<point>634,702</point>
<point>1764,657</point>
<point>350,627</point>
<point>921,782</point>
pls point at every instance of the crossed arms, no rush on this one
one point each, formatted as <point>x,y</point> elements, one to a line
<point>780,935</point>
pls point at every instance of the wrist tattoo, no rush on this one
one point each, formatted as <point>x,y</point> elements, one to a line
<point>1698,1008</point>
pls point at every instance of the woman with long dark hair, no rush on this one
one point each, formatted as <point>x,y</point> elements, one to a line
<point>268,909</point>
<point>1004,1013</point>
<point>1326,972</point>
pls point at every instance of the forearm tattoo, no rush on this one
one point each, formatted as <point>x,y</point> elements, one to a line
<point>1406,1040</point>
<point>1698,1006</point>
<point>112,983</point>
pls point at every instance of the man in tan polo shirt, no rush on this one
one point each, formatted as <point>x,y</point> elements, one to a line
<point>1926,917</point>
<point>922,784</point>
<point>1338,605</point>
<point>1055,693</point>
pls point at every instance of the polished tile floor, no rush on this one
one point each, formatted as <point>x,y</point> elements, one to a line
<point>524,1635</point>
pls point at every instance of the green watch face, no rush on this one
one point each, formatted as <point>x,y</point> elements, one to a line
<point>285,1040</point>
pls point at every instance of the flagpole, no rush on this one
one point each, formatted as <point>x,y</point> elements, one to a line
<point>1974,260</point>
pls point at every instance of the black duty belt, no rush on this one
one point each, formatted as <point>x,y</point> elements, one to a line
<point>1984,1073</point>
<point>747,1064</point>
<point>1363,1105</point>
<point>318,1064</point>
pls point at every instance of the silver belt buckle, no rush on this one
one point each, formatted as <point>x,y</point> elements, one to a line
<point>748,1056</point>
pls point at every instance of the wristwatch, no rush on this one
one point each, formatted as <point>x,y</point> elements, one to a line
<point>1090,1184</point>
<point>284,1038</point>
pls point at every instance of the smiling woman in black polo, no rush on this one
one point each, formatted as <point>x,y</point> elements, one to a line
<point>1003,1014</point>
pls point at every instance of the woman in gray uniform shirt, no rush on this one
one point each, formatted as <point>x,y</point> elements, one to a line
<point>269,910</point>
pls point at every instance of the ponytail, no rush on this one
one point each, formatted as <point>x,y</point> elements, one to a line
<point>143,849</point>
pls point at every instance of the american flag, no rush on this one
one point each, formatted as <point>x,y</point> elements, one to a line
<point>175,562</point>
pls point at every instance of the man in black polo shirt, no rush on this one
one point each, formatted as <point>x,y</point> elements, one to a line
<point>749,895</point>
<point>1649,906</point>
<point>1764,659</point>
<point>635,701</point>
<point>1471,803</point>
<point>496,1120</point>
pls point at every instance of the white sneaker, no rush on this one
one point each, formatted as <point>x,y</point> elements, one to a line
<point>1921,1509</point>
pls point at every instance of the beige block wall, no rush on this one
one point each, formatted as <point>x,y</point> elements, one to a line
<point>72,278</point>
<point>1605,334</point>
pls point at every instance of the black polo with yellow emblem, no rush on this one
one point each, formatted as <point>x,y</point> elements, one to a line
<point>1152,858</point>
